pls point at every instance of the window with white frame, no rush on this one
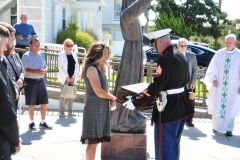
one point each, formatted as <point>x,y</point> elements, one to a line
<point>14,15</point>
<point>106,29</point>
<point>63,18</point>
<point>117,9</point>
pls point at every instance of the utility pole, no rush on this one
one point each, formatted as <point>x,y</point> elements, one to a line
<point>220,6</point>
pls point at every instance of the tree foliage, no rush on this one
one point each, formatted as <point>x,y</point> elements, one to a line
<point>196,13</point>
<point>231,28</point>
<point>176,24</point>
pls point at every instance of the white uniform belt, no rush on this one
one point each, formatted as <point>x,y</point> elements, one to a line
<point>175,91</point>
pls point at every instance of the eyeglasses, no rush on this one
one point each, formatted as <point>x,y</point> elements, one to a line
<point>183,46</point>
<point>69,45</point>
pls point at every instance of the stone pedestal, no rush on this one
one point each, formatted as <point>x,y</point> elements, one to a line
<point>125,146</point>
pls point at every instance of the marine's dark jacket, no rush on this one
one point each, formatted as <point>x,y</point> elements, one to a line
<point>172,73</point>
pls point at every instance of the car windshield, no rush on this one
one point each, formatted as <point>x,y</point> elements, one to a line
<point>194,50</point>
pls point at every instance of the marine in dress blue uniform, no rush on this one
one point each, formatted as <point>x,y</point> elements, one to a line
<point>171,77</point>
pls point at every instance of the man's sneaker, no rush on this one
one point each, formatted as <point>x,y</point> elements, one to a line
<point>32,126</point>
<point>44,126</point>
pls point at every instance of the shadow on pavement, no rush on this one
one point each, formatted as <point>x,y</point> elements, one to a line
<point>193,133</point>
<point>66,121</point>
<point>30,136</point>
<point>219,137</point>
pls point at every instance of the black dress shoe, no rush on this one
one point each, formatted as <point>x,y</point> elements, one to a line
<point>190,124</point>
<point>228,134</point>
<point>214,131</point>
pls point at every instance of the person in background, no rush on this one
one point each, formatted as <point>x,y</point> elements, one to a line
<point>14,60</point>
<point>35,91</point>
<point>193,71</point>
<point>168,123</point>
<point>96,115</point>
<point>24,33</point>
<point>223,75</point>
<point>10,142</point>
<point>68,70</point>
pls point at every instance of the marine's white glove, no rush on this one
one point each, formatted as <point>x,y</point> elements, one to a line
<point>128,104</point>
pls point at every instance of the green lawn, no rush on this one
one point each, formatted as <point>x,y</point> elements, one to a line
<point>200,88</point>
<point>55,80</point>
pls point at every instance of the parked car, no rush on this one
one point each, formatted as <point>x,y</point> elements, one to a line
<point>201,44</point>
<point>203,54</point>
<point>152,55</point>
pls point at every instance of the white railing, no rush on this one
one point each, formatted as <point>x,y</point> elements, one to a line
<point>56,48</point>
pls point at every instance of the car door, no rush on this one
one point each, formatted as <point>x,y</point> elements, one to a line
<point>203,56</point>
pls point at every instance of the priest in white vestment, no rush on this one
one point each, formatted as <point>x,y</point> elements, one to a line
<point>223,74</point>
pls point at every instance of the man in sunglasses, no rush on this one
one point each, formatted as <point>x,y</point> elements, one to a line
<point>193,70</point>
<point>171,77</point>
<point>35,91</point>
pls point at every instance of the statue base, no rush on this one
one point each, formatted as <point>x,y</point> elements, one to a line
<point>125,146</point>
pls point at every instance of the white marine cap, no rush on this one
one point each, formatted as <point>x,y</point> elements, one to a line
<point>158,34</point>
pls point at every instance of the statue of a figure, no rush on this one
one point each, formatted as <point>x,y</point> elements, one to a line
<point>131,65</point>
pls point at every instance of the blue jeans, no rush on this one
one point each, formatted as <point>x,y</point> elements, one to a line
<point>6,158</point>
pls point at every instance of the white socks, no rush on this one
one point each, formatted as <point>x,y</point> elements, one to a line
<point>42,121</point>
<point>31,121</point>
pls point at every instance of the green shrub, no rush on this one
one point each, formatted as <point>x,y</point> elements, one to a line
<point>91,32</point>
<point>73,23</point>
<point>81,39</point>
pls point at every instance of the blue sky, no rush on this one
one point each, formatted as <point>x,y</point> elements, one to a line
<point>232,7</point>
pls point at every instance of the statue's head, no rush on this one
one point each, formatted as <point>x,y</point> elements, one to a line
<point>126,4</point>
